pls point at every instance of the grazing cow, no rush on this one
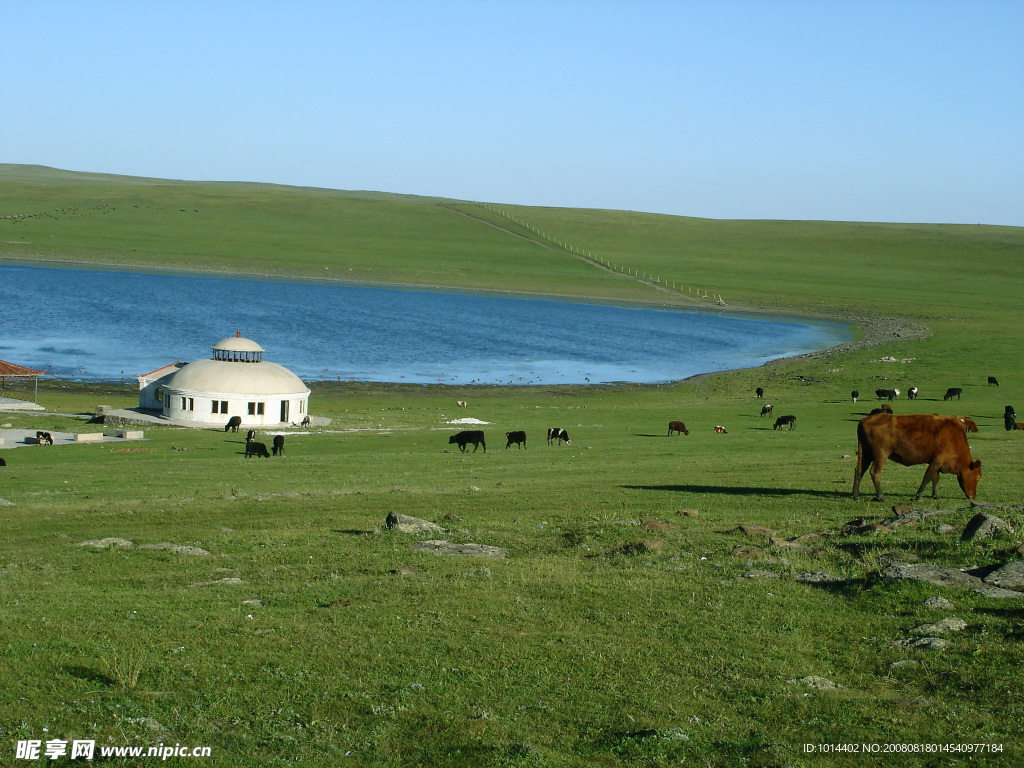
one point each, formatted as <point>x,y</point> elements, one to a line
<point>44,437</point>
<point>912,393</point>
<point>759,392</point>
<point>766,410</point>
<point>938,441</point>
<point>953,392</point>
<point>461,404</point>
<point>252,448</point>
<point>515,438</point>
<point>677,427</point>
<point>233,424</point>
<point>250,435</point>
<point>307,421</point>
<point>889,394</point>
<point>854,395</point>
<point>3,461</point>
<point>720,430</point>
<point>782,421</point>
<point>474,436</point>
<point>278,445</point>
<point>557,434</point>
<point>1018,425</point>
<point>992,380</point>
<point>968,423</point>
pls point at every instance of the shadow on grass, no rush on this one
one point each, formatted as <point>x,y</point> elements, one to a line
<point>740,490</point>
<point>1014,633</point>
<point>917,547</point>
<point>90,675</point>
<point>844,587</point>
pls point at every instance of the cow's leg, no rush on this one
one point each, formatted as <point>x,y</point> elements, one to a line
<point>866,459</point>
<point>932,476</point>
<point>858,471</point>
<point>876,477</point>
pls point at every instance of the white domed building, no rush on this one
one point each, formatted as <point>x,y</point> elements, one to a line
<point>236,381</point>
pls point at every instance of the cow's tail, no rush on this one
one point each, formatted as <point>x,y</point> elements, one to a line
<point>858,472</point>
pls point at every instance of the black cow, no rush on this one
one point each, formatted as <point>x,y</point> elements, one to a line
<point>889,394</point>
<point>953,392</point>
<point>279,445</point>
<point>766,410</point>
<point>992,380</point>
<point>854,395</point>
<point>783,421</point>
<point>252,448</point>
<point>515,438</point>
<point>759,391</point>
<point>3,462</point>
<point>1009,418</point>
<point>557,434</point>
<point>250,435</point>
<point>474,436</point>
<point>233,424</point>
<point>44,437</point>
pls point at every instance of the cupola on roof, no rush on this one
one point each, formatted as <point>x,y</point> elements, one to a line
<point>237,349</point>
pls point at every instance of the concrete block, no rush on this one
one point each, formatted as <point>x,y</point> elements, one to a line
<point>127,434</point>
<point>88,437</point>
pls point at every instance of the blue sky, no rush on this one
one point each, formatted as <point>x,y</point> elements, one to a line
<point>782,109</point>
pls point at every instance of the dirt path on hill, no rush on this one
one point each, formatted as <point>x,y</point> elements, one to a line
<point>588,260</point>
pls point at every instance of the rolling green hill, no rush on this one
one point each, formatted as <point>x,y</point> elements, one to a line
<point>321,234</point>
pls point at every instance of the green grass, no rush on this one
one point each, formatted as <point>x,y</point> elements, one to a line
<point>568,652</point>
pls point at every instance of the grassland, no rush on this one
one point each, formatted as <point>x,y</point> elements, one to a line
<point>575,650</point>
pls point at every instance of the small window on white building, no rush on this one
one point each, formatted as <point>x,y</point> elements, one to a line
<point>188,404</point>
<point>220,406</point>
<point>257,409</point>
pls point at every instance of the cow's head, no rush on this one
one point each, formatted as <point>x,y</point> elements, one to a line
<point>969,478</point>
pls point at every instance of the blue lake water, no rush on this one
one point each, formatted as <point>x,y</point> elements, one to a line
<point>87,325</point>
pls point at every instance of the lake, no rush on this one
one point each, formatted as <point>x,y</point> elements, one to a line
<point>97,325</point>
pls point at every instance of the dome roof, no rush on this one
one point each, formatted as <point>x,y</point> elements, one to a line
<point>237,344</point>
<point>221,377</point>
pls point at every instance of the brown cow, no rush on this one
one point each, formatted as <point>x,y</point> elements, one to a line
<point>677,427</point>
<point>720,430</point>
<point>938,441</point>
<point>968,423</point>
